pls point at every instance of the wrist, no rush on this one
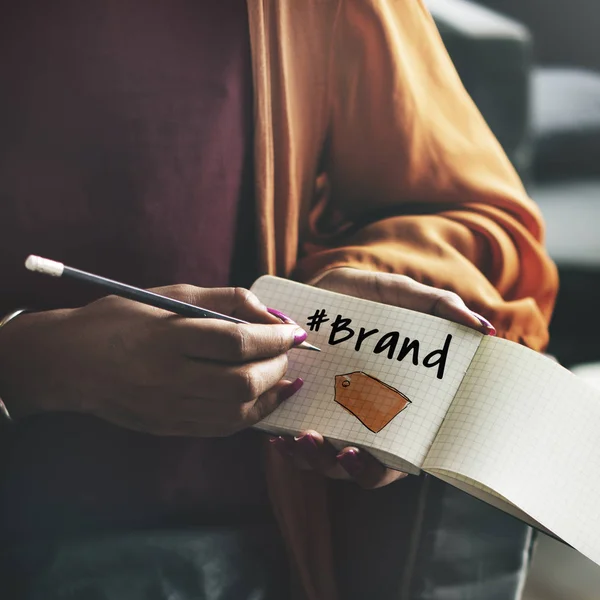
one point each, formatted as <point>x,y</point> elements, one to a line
<point>27,349</point>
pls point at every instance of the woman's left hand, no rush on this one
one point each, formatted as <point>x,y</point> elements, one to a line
<point>310,450</point>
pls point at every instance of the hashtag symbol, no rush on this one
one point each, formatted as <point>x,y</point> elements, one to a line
<point>315,321</point>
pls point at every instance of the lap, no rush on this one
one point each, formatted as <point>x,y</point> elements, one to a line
<point>199,564</point>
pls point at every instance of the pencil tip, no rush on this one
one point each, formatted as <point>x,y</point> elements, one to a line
<point>307,346</point>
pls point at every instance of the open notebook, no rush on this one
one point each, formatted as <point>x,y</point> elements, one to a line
<point>489,416</point>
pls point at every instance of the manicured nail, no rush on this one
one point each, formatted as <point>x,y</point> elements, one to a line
<point>299,336</point>
<point>289,390</point>
<point>307,446</point>
<point>281,445</point>
<point>281,316</point>
<point>491,330</point>
<point>351,461</point>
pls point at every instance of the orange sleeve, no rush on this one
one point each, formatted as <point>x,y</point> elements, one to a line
<point>416,183</point>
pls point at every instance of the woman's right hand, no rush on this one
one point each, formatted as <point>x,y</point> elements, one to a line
<point>149,370</point>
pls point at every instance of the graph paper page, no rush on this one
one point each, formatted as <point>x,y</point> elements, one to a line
<point>360,397</point>
<point>529,430</point>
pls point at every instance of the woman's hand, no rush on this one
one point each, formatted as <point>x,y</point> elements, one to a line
<point>309,450</point>
<point>149,370</point>
<point>400,290</point>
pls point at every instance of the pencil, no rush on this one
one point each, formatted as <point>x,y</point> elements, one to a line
<point>183,309</point>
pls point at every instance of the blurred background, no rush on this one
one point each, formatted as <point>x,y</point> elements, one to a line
<point>533,69</point>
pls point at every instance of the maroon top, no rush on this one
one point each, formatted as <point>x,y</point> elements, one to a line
<point>125,149</point>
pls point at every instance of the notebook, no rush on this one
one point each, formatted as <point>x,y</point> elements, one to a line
<point>501,422</point>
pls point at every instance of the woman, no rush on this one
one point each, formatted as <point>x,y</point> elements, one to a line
<point>206,143</point>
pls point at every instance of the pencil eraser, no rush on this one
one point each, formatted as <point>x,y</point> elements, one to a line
<point>44,265</point>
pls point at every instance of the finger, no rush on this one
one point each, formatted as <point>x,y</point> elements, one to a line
<point>400,290</point>
<point>233,301</point>
<point>281,317</point>
<point>363,468</point>
<point>289,449</point>
<point>404,291</point>
<point>451,307</point>
<point>238,384</point>
<point>447,305</point>
<point>269,401</point>
<point>317,453</point>
<point>309,450</point>
<point>197,415</point>
<point>231,342</point>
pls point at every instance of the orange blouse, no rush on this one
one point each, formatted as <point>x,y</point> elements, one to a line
<point>369,153</point>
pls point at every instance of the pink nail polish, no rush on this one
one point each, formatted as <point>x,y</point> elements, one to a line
<point>289,390</point>
<point>491,330</point>
<point>284,318</point>
<point>300,336</point>
<point>351,461</point>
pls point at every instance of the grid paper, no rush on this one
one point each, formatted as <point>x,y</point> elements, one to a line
<point>404,441</point>
<point>529,430</point>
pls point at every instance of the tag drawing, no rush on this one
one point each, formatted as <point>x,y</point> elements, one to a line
<point>374,403</point>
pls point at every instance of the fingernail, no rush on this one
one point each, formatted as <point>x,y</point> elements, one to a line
<point>289,390</point>
<point>281,316</point>
<point>299,336</point>
<point>281,445</point>
<point>491,330</point>
<point>351,461</point>
<point>307,446</point>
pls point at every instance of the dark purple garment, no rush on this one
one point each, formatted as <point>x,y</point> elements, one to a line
<point>125,149</point>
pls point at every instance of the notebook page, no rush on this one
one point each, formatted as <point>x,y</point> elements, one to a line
<point>407,434</point>
<point>479,491</point>
<point>529,430</point>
